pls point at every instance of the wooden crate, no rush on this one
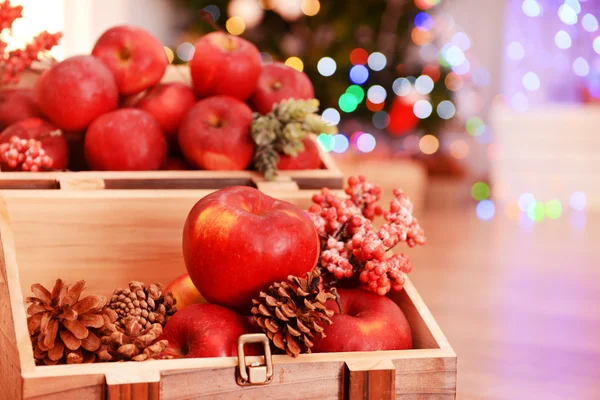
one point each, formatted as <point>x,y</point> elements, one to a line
<point>109,237</point>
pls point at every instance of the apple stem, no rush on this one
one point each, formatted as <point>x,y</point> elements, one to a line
<point>337,299</point>
<point>208,18</point>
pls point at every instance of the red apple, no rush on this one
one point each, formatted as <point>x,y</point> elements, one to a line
<point>225,64</point>
<point>307,159</point>
<point>127,139</point>
<point>369,323</point>
<point>215,134</point>
<point>278,82</point>
<point>16,105</point>
<point>76,91</point>
<point>237,241</point>
<point>136,58</point>
<point>52,139</point>
<point>168,103</point>
<point>185,292</point>
<point>205,330</point>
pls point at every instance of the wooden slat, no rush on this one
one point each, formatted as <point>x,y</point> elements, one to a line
<point>370,380</point>
<point>134,391</point>
<point>74,387</point>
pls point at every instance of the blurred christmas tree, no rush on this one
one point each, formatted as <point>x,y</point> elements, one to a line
<point>362,57</point>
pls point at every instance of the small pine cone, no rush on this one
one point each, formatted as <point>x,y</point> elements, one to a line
<point>148,304</point>
<point>265,161</point>
<point>133,342</point>
<point>292,313</point>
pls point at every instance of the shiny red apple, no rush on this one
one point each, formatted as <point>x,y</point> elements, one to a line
<point>237,241</point>
<point>76,91</point>
<point>225,64</point>
<point>205,330</point>
<point>215,134</point>
<point>307,159</point>
<point>369,322</point>
<point>136,58</point>
<point>127,139</point>
<point>16,105</point>
<point>184,292</point>
<point>53,140</point>
<point>278,82</point>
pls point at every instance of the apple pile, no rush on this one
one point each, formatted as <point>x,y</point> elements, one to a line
<point>313,281</point>
<point>113,103</point>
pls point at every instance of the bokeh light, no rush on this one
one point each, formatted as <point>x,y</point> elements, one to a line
<point>365,143</point>
<point>574,4</point>
<point>357,92</point>
<point>359,56</point>
<point>347,102</point>
<point>422,109</point>
<point>401,86</point>
<point>462,69</point>
<point>421,38</point>
<point>453,82</point>
<point>374,107</point>
<point>235,25</point>
<point>596,45</point>
<point>531,81</point>
<point>531,8</point>
<point>424,84</point>
<point>266,58</point>
<point>480,191</point>
<point>578,201</point>
<point>359,74</point>
<point>590,23</point>
<point>475,126</point>
<point>411,144</point>
<point>553,209</point>
<point>249,10</point>
<point>186,51</point>
<point>377,61</point>
<point>331,116</point>
<point>170,54</point>
<point>214,11</point>
<point>485,210</point>
<point>567,15</point>
<point>432,71</point>
<point>426,4</point>
<point>525,200</point>
<point>381,120</point>
<point>376,94</point>
<point>429,144</point>
<point>340,143</point>
<point>481,77</point>
<point>295,63</point>
<point>519,102</point>
<point>454,55</point>
<point>310,7</point>
<point>512,211</point>
<point>325,141</point>
<point>461,40</point>
<point>581,67</point>
<point>446,109</point>
<point>326,66</point>
<point>423,21</point>
<point>536,211</point>
<point>515,51</point>
<point>459,149</point>
<point>562,40</point>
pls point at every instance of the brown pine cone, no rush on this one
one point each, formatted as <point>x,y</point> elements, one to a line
<point>292,313</point>
<point>147,303</point>
<point>131,343</point>
<point>63,328</point>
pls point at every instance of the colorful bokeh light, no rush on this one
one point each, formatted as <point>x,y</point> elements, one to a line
<point>553,209</point>
<point>326,66</point>
<point>531,81</point>
<point>401,86</point>
<point>340,143</point>
<point>424,84</point>
<point>562,40</point>
<point>422,109</point>
<point>429,144</point>
<point>331,116</point>
<point>235,25</point>
<point>359,56</point>
<point>536,211</point>
<point>475,126</point>
<point>578,201</point>
<point>348,102</point>
<point>359,74</point>
<point>377,61</point>
<point>485,210</point>
<point>295,63</point>
<point>366,142</point>
<point>590,23</point>
<point>480,191</point>
<point>376,94</point>
<point>459,149</point>
<point>423,21</point>
<point>381,120</point>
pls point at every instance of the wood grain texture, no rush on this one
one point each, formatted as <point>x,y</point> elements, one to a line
<point>370,380</point>
<point>73,387</point>
<point>134,391</point>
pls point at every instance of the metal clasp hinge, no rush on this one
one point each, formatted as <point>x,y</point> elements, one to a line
<point>254,374</point>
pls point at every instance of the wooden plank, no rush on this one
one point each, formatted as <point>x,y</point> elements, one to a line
<point>134,391</point>
<point>16,354</point>
<point>370,380</point>
<point>73,387</point>
<point>74,183</point>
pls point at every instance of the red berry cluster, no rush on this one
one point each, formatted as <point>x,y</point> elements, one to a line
<point>16,61</point>
<point>350,244</point>
<point>23,154</point>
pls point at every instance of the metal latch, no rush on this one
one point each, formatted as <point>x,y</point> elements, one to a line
<point>254,374</point>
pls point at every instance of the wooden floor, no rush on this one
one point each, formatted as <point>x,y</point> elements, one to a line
<point>519,304</point>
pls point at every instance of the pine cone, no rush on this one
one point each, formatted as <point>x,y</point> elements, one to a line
<point>147,303</point>
<point>131,343</point>
<point>292,313</point>
<point>294,110</point>
<point>64,328</point>
<point>266,159</point>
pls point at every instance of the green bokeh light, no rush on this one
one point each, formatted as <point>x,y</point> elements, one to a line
<point>553,209</point>
<point>326,141</point>
<point>480,191</point>
<point>536,211</point>
<point>348,102</point>
<point>357,92</point>
<point>475,126</point>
